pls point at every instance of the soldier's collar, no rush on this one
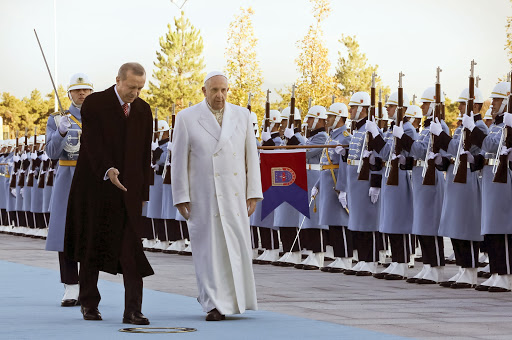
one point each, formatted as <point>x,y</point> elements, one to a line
<point>499,119</point>
<point>427,122</point>
<point>477,117</point>
<point>274,134</point>
<point>361,122</point>
<point>314,132</point>
<point>163,141</point>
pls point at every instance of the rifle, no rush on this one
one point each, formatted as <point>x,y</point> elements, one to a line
<point>364,170</point>
<point>429,169</point>
<point>267,111</point>
<point>500,168</point>
<point>380,113</point>
<point>460,168</point>
<point>30,180</point>
<point>155,139</point>
<point>307,132</point>
<point>249,102</point>
<point>292,108</point>
<point>16,165</point>
<point>393,166</point>
<point>42,174</point>
<point>51,169</point>
<point>167,170</point>
<point>24,163</point>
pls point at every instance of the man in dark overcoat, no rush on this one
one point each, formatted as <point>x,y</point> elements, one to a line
<point>109,188</point>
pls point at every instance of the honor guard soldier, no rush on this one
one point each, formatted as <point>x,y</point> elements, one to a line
<point>286,217</point>
<point>396,211</point>
<point>487,117</point>
<point>461,213</point>
<point>4,171</point>
<point>496,192</point>
<point>156,190</point>
<point>10,193</point>
<point>330,210</point>
<point>428,199</point>
<point>268,232</point>
<point>313,234</point>
<point>63,133</point>
<point>362,197</point>
<point>37,192</point>
<point>19,184</point>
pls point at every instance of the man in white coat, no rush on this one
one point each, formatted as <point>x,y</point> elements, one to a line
<point>216,184</point>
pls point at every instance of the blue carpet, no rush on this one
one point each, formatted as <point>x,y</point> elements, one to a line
<point>30,309</point>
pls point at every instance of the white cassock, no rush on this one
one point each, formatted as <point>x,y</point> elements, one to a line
<point>216,170</point>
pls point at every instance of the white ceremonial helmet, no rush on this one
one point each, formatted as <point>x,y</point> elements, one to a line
<point>339,110</point>
<point>297,114</point>
<point>80,81</point>
<point>318,112</point>
<point>501,90</point>
<point>162,127</point>
<point>488,114</point>
<point>464,96</point>
<point>40,139</point>
<point>254,120</point>
<point>429,96</point>
<point>360,99</point>
<point>285,113</point>
<point>414,112</point>
<point>275,118</point>
<point>393,99</point>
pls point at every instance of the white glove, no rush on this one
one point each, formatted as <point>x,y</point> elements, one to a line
<point>398,131</point>
<point>314,191</point>
<point>64,125</point>
<point>154,146</point>
<point>24,156</point>
<point>372,128</point>
<point>436,157</point>
<point>13,192</point>
<point>44,157</point>
<point>288,132</point>
<point>471,159</point>
<point>21,193</point>
<point>374,194</point>
<point>436,128</point>
<point>265,135</point>
<point>16,158</point>
<point>505,151</point>
<point>169,146</point>
<point>507,119</point>
<point>33,156</point>
<point>468,121</point>
<point>401,158</point>
<point>342,197</point>
<point>366,153</point>
<point>340,150</point>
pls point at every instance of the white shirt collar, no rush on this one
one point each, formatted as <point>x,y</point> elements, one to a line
<point>119,98</point>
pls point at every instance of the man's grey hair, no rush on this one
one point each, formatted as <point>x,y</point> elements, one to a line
<point>134,67</point>
<point>207,83</point>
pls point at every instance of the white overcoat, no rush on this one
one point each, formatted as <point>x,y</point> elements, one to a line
<point>216,170</point>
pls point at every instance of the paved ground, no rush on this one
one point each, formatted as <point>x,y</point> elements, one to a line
<point>390,307</point>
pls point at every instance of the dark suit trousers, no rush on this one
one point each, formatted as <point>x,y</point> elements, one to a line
<point>89,293</point>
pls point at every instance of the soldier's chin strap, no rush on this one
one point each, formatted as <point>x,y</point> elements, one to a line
<point>358,113</point>
<point>504,103</point>
<point>430,110</point>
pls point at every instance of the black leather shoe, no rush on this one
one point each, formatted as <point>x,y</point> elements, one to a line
<point>385,265</point>
<point>185,253</point>
<point>419,259</point>
<point>498,290</point>
<point>461,285</point>
<point>412,280</point>
<point>449,261</point>
<point>336,270</point>
<point>379,275</point>
<point>325,269</point>
<point>480,273</point>
<point>265,262</point>
<point>91,313</point>
<point>426,282</point>
<point>299,266</point>
<point>135,318</point>
<point>309,267</point>
<point>277,263</point>
<point>214,315</point>
<point>486,275</point>
<point>394,277</point>
<point>350,272</point>
<point>482,288</point>
<point>363,273</point>
<point>255,261</point>
<point>446,284</point>
<point>69,303</point>
<point>287,264</point>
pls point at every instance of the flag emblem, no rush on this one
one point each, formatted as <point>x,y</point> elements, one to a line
<point>283,177</point>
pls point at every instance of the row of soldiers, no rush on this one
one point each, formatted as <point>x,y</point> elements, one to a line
<point>360,215</point>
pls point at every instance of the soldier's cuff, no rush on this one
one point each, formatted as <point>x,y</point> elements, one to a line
<point>376,180</point>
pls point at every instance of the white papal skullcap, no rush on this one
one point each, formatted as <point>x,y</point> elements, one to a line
<point>213,74</point>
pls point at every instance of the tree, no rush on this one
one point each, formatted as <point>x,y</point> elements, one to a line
<point>312,64</point>
<point>508,42</point>
<point>180,64</point>
<point>242,67</point>
<point>352,71</point>
<point>13,112</point>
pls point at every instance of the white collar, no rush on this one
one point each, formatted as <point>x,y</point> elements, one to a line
<point>119,98</point>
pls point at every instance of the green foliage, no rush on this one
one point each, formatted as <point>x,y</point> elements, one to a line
<point>180,64</point>
<point>353,71</point>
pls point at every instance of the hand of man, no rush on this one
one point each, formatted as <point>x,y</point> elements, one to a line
<point>371,127</point>
<point>340,150</point>
<point>374,194</point>
<point>184,209</point>
<point>436,128</point>
<point>342,197</point>
<point>113,176</point>
<point>251,206</point>
<point>507,119</point>
<point>314,191</point>
<point>471,159</point>
<point>64,126</point>
<point>398,131</point>
<point>468,121</point>
<point>288,132</point>
<point>265,135</point>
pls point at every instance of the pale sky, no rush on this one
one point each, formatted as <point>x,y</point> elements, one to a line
<point>413,36</point>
